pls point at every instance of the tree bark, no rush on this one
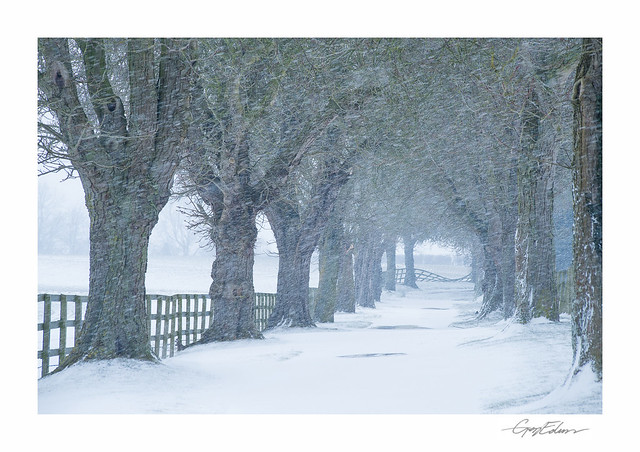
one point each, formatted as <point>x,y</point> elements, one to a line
<point>298,231</point>
<point>493,282</point>
<point>295,248</point>
<point>232,291</point>
<point>509,219</point>
<point>390,275</point>
<point>330,257</point>
<point>535,251</point>
<point>508,272</point>
<point>477,265</point>
<point>115,323</point>
<point>345,287</point>
<point>587,199</point>
<point>368,272</point>
<point>410,271</point>
<point>234,233</point>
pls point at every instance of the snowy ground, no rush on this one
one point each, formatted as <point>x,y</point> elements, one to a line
<point>419,351</point>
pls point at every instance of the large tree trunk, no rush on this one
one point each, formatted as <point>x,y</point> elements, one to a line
<point>535,251</point>
<point>126,164</point>
<point>493,282</point>
<point>292,307</point>
<point>492,289</point>
<point>508,271</point>
<point>295,248</point>
<point>410,271</point>
<point>390,252</point>
<point>330,257</point>
<point>345,287</point>
<point>509,219</point>
<point>298,231</point>
<point>477,265</point>
<point>115,322</point>
<point>587,190</point>
<point>368,272</point>
<point>232,291</point>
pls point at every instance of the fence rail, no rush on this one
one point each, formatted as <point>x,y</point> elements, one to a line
<point>425,275</point>
<point>173,321</point>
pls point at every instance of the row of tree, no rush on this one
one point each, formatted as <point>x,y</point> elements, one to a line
<point>347,146</point>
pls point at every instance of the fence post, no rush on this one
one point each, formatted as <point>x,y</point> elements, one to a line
<point>258,310</point>
<point>62,347</point>
<point>46,334</point>
<point>205,313</point>
<point>179,319</point>
<point>172,327</point>
<point>156,345</point>
<point>196,300</point>
<point>187,320</point>
<point>165,335</point>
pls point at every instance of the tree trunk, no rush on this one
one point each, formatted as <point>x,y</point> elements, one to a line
<point>493,282</point>
<point>298,231</point>
<point>390,275</point>
<point>508,270</point>
<point>535,251</point>
<point>410,272</point>
<point>345,287</point>
<point>232,291</point>
<point>587,199</point>
<point>508,220</point>
<point>377,272</point>
<point>330,257</point>
<point>292,307</point>
<point>115,322</point>
<point>126,164</point>
<point>368,272</point>
<point>477,265</point>
<point>491,287</point>
<point>295,248</point>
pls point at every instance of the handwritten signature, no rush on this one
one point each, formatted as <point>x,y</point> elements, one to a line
<point>522,428</point>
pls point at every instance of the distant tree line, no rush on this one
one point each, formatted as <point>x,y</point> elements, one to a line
<point>348,147</point>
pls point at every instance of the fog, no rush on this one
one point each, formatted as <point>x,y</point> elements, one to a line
<point>63,228</point>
